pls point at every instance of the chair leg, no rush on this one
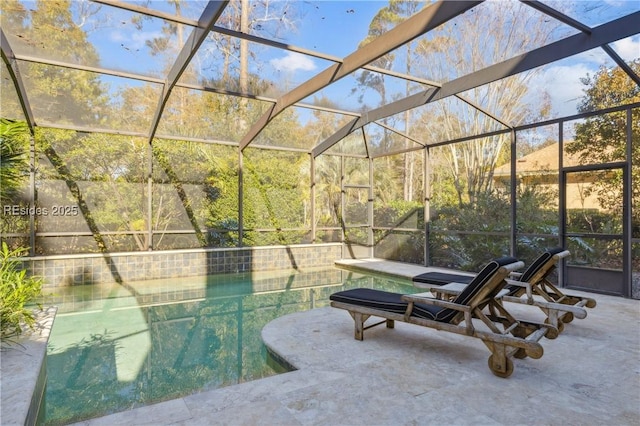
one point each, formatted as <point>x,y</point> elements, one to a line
<point>553,319</point>
<point>359,320</point>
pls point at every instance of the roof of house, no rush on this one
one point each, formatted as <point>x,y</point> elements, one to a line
<point>544,159</point>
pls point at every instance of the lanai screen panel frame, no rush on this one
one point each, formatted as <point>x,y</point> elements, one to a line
<point>199,28</point>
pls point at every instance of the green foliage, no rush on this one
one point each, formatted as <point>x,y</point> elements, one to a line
<point>399,239</point>
<point>14,171</point>
<point>17,292</point>
<point>466,237</point>
<point>603,138</point>
<point>399,213</point>
<point>13,160</point>
<point>401,246</point>
<point>537,210</point>
<point>444,188</point>
<point>274,195</point>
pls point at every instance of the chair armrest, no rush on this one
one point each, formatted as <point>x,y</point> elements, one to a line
<point>502,293</point>
<point>465,309</point>
<point>448,290</point>
<point>526,285</point>
<point>453,288</point>
<point>412,298</point>
<point>516,282</point>
<point>513,267</point>
<point>561,255</point>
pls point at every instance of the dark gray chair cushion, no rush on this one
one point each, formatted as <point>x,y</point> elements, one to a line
<point>385,301</point>
<point>440,278</point>
<point>538,263</point>
<point>392,302</point>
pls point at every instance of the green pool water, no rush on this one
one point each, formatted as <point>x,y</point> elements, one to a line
<point>119,346</point>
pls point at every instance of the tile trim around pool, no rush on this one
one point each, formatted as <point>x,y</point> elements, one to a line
<point>66,270</point>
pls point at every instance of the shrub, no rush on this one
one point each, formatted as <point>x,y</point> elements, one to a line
<point>18,293</point>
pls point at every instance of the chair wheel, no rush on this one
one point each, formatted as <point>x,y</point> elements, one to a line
<point>567,318</point>
<point>553,332</point>
<point>591,303</point>
<point>520,354</point>
<point>494,368</point>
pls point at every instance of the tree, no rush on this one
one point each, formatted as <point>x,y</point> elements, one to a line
<point>487,34</point>
<point>386,18</point>
<point>14,172</point>
<point>66,94</point>
<point>106,175</point>
<point>57,93</point>
<point>603,138</point>
<point>14,164</point>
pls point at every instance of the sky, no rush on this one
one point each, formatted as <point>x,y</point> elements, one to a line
<point>562,79</point>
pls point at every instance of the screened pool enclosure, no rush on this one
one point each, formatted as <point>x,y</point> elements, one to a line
<point>438,133</point>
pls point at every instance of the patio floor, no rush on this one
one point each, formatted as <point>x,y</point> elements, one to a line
<point>590,374</point>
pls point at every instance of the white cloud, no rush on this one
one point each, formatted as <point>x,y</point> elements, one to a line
<point>135,40</point>
<point>594,57</point>
<point>562,84</point>
<point>292,62</point>
<point>628,48</point>
<point>117,36</point>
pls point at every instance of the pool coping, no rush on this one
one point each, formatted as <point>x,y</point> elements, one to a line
<point>24,372</point>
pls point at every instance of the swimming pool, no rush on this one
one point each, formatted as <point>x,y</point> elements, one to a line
<point>119,346</point>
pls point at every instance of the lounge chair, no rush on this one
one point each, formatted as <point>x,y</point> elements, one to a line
<point>532,287</point>
<point>506,337</point>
